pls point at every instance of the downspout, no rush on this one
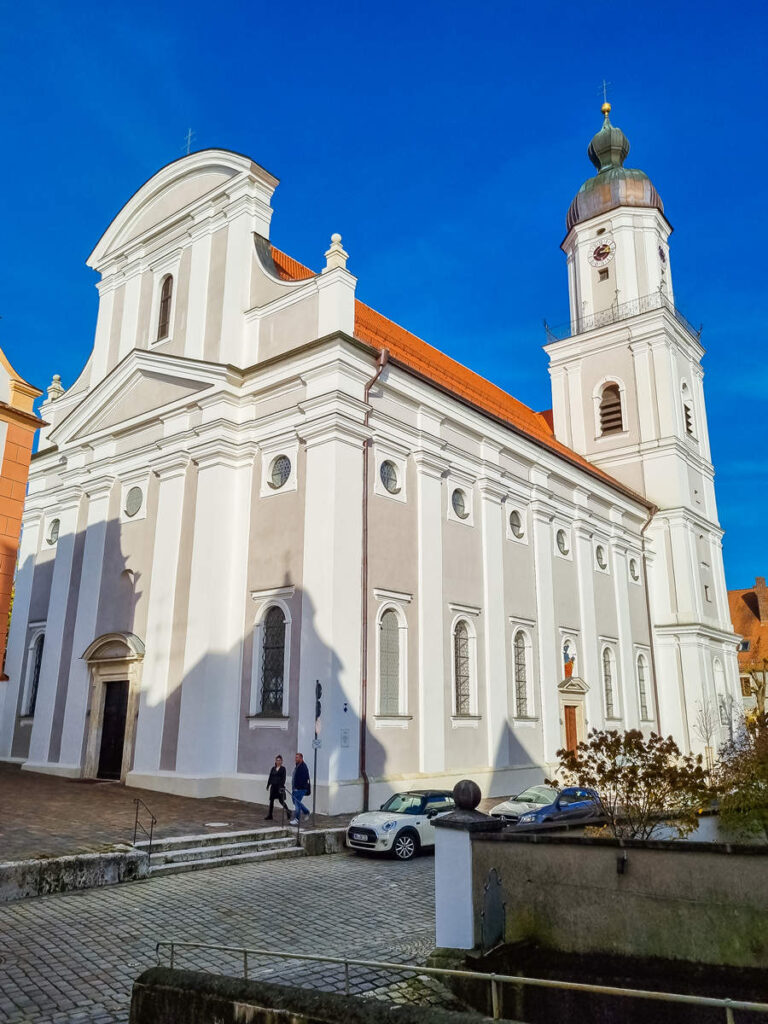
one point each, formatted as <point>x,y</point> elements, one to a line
<point>382,362</point>
<point>646,524</point>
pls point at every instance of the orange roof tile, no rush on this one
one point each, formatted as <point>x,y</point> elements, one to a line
<point>419,356</point>
<point>749,615</point>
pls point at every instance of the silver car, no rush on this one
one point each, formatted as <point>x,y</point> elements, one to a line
<point>531,799</point>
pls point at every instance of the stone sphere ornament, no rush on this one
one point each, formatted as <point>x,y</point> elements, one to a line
<point>467,795</point>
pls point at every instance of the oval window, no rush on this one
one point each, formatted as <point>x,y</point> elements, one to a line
<point>516,523</point>
<point>53,531</point>
<point>600,555</point>
<point>562,542</point>
<point>280,471</point>
<point>133,501</point>
<point>459,503</point>
<point>633,570</point>
<point>388,474</point>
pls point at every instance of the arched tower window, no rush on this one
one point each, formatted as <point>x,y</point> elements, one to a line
<point>462,668</point>
<point>687,410</point>
<point>610,707</point>
<point>521,675</point>
<point>273,663</point>
<point>37,660</point>
<point>611,421</point>
<point>164,316</point>
<point>642,685</point>
<point>389,664</point>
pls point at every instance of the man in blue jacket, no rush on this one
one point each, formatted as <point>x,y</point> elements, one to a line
<point>300,788</point>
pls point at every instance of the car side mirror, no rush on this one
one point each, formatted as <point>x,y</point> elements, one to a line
<point>431,814</point>
<point>382,807</point>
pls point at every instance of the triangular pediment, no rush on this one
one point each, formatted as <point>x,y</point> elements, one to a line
<point>137,390</point>
<point>573,685</point>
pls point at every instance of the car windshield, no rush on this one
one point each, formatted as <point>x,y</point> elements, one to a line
<point>404,803</point>
<point>537,795</point>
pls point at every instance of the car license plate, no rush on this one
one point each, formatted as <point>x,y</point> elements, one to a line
<point>361,837</point>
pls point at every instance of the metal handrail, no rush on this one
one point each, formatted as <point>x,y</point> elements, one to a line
<point>729,1005</point>
<point>138,825</point>
<point>618,312</point>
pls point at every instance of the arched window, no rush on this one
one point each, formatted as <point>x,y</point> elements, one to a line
<point>722,702</point>
<point>389,664</point>
<point>273,663</point>
<point>611,421</point>
<point>642,685</point>
<point>610,707</point>
<point>521,675</point>
<point>462,668</point>
<point>569,658</point>
<point>687,410</point>
<point>34,681</point>
<point>164,316</point>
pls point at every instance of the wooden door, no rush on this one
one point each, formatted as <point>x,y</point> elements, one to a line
<point>113,730</point>
<point>571,732</point>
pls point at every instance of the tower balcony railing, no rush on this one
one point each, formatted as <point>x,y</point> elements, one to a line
<point>616,313</point>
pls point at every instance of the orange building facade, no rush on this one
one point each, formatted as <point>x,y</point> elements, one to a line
<point>18,424</point>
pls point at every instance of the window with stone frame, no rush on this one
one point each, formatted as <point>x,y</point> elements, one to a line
<point>462,668</point>
<point>521,675</point>
<point>389,663</point>
<point>642,685</point>
<point>273,662</point>
<point>34,683</point>
<point>610,706</point>
<point>611,419</point>
<point>164,314</point>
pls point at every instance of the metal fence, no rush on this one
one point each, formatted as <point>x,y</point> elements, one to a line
<point>620,311</point>
<point>338,975</point>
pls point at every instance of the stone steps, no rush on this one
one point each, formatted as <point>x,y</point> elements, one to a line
<point>217,849</point>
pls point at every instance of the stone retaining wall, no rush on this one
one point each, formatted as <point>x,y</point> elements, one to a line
<point>62,874</point>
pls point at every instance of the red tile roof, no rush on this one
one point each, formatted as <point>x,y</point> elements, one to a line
<point>420,357</point>
<point>749,614</point>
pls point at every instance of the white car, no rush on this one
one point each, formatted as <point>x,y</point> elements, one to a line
<point>532,799</point>
<point>403,826</point>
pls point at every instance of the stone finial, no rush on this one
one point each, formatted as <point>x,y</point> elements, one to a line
<point>467,795</point>
<point>55,389</point>
<point>335,257</point>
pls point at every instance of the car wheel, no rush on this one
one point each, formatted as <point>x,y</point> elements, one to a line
<point>405,846</point>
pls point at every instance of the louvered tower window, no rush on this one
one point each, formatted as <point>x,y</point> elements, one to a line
<point>273,663</point>
<point>389,664</point>
<point>461,667</point>
<point>521,677</point>
<point>610,410</point>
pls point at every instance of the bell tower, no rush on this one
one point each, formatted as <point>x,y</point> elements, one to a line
<point>627,393</point>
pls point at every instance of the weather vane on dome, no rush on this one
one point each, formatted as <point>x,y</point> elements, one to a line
<point>604,90</point>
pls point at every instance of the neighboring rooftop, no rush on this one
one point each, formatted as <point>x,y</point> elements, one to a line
<point>749,614</point>
<point>423,359</point>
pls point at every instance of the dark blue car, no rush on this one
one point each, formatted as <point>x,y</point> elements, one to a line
<point>572,804</point>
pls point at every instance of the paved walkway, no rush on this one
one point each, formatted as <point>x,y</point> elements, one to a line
<point>73,957</point>
<point>44,815</point>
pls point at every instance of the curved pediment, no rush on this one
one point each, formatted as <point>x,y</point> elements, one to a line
<point>115,647</point>
<point>173,191</point>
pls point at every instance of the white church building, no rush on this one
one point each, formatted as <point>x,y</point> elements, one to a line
<point>257,483</point>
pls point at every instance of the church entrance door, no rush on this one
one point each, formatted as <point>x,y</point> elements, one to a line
<point>113,729</point>
<point>571,731</point>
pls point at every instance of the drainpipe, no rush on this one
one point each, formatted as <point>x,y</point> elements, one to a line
<point>646,524</point>
<point>382,362</point>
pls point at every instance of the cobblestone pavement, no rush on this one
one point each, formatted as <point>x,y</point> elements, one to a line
<point>43,815</point>
<point>73,957</point>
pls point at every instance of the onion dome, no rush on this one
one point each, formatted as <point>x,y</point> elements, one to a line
<point>614,184</point>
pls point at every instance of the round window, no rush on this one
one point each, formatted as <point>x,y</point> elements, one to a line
<point>459,502</point>
<point>53,531</point>
<point>600,555</point>
<point>388,474</point>
<point>562,542</point>
<point>633,570</point>
<point>133,501</point>
<point>281,470</point>
<point>516,523</point>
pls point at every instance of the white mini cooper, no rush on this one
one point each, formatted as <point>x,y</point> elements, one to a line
<point>403,826</point>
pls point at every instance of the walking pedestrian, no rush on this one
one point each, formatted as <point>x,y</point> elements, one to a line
<point>276,787</point>
<point>300,787</point>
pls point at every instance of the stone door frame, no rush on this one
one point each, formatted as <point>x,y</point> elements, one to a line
<point>114,657</point>
<point>573,692</point>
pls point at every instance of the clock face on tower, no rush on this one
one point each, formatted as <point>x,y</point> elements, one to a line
<point>602,252</point>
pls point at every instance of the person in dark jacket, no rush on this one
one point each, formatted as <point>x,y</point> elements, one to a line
<point>276,787</point>
<point>300,787</point>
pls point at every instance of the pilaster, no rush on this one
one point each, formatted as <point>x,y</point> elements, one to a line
<point>497,715</point>
<point>541,524</point>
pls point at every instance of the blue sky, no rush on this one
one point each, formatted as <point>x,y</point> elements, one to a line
<point>443,140</point>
